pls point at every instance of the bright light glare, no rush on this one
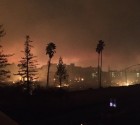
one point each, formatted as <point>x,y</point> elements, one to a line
<point>63,85</point>
<point>113,103</point>
<point>127,84</point>
<point>82,79</point>
<point>58,86</point>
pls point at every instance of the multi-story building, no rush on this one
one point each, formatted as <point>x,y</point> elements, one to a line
<point>83,77</point>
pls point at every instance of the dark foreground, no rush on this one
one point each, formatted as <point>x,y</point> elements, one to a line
<point>58,107</point>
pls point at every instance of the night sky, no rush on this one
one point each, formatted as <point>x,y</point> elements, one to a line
<point>75,26</point>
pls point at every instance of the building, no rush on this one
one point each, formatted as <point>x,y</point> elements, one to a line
<point>82,77</point>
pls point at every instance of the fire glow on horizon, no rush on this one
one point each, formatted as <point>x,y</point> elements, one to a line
<point>75,27</point>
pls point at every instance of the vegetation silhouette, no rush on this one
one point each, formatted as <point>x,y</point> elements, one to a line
<point>50,50</point>
<point>28,66</point>
<point>99,49</point>
<point>61,73</point>
<point>4,74</point>
<point>66,107</point>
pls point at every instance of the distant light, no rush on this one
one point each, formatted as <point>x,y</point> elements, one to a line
<point>65,85</point>
<point>34,80</point>
<point>83,124</point>
<point>138,74</point>
<point>112,103</point>
<point>127,84</point>
<point>24,88</point>
<point>58,86</point>
<point>20,78</point>
<point>25,79</point>
<point>82,79</point>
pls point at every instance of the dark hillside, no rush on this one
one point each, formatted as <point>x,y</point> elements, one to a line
<point>59,107</point>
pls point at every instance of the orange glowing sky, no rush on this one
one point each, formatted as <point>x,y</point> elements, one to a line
<point>75,26</point>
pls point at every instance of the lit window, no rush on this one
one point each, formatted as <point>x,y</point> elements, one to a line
<point>93,75</point>
<point>138,74</point>
<point>113,74</point>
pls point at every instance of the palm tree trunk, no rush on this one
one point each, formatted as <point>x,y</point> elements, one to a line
<point>48,72</point>
<point>101,72</point>
<point>98,70</point>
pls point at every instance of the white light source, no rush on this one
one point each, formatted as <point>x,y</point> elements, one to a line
<point>82,79</point>
<point>112,103</point>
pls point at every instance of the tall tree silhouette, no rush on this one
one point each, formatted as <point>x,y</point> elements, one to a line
<point>61,73</point>
<point>50,50</point>
<point>4,74</point>
<point>28,65</point>
<point>99,49</point>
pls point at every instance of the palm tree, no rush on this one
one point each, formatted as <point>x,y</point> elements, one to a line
<point>50,50</point>
<point>99,49</point>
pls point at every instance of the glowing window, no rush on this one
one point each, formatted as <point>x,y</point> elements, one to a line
<point>138,74</point>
